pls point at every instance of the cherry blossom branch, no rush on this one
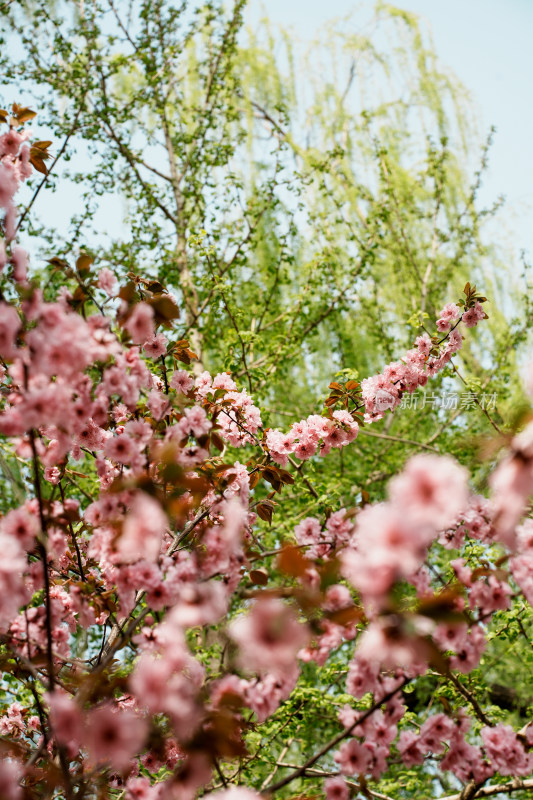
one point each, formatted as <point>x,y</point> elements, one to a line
<point>322,773</point>
<point>179,537</point>
<point>476,400</point>
<point>117,634</point>
<point>73,536</point>
<point>27,666</point>
<point>83,373</point>
<point>335,740</point>
<point>121,638</point>
<point>516,785</point>
<point>467,694</point>
<point>41,547</point>
<point>421,445</point>
<point>48,172</point>
<point>299,468</point>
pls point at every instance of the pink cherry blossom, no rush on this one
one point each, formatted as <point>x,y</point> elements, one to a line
<point>450,312</point>
<point>353,758</point>
<point>11,773</point>
<point>194,422</point>
<point>113,737</point>
<point>424,345</point>
<point>199,605</point>
<point>9,327</point>
<point>10,142</point>
<point>22,525</point>
<point>490,595</point>
<point>362,676</point>
<point>234,793</point>
<point>107,281</point>
<point>120,448</point>
<point>66,720</point>
<point>522,572</point>
<point>435,732</point>
<point>473,315</point>
<point>411,748</point>
<point>387,547</point>
<point>336,788</point>
<point>140,789</point>
<point>186,652</point>
<point>140,323</point>
<point>143,530</point>
<point>466,761</point>
<point>156,346</point>
<point>8,185</point>
<point>431,489</point>
<point>468,655</point>
<point>19,259</point>
<point>265,693</point>
<point>506,752</point>
<point>181,381</point>
<point>269,636</point>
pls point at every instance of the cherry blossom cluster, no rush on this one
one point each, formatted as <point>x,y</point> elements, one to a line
<point>426,359</point>
<point>379,393</point>
<point>156,555</point>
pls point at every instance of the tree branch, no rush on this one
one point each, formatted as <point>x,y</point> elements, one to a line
<point>300,772</point>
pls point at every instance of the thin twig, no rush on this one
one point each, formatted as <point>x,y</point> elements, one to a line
<point>41,547</point>
<point>467,694</point>
<point>398,439</point>
<point>49,171</point>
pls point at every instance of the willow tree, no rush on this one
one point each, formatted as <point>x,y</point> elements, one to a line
<point>352,196</point>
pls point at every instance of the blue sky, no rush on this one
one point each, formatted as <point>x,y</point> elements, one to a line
<point>488,44</point>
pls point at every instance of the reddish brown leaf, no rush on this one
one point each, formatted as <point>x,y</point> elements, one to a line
<point>165,308</point>
<point>84,262</point>
<point>285,476</point>
<point>270,474</point>
<point>264,510</point>
<point>23,114</point>
<point>127,292</point>
<point>441,607</point>
<point>292,562</point>
<point>38,164</point>
<point>217,441</point>
<point>155,287</point>
<point>259,576</point>
<point>254,479</point>
<point>346,615</point>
